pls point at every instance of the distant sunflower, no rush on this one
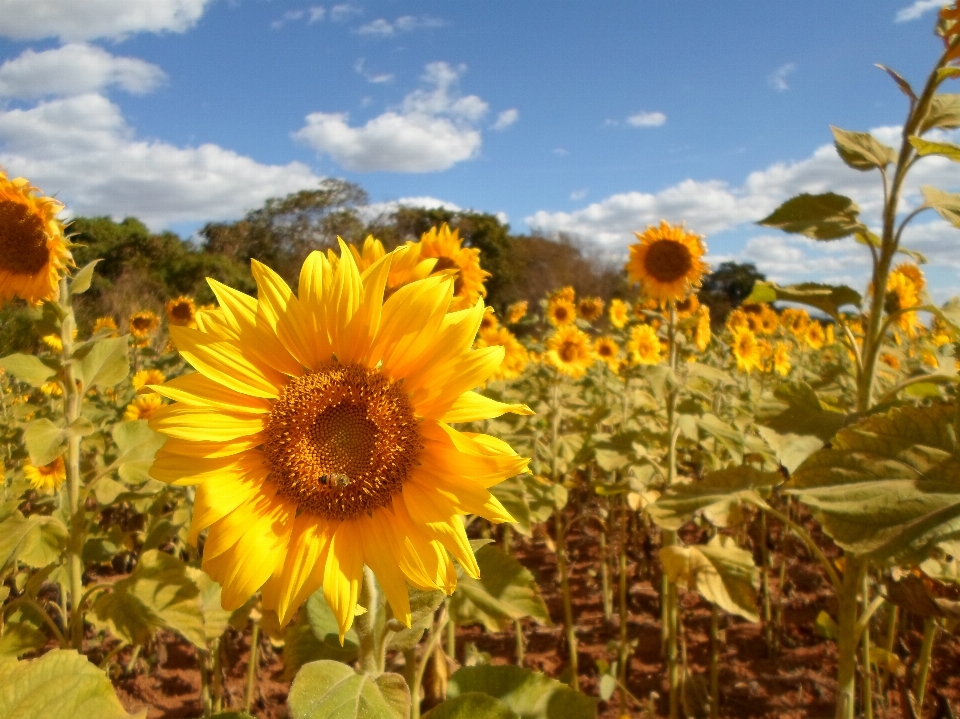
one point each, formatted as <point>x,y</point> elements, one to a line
<point>182,312</point>
<point>781,359</point>
<point>701,331</point>
<point>891,361</point>
<point>590,308</point>
<point>903,297</point>
<point>53,342</point>
<point>489,321</point>
<point>815,336</point>
<point>515,355</point>
<point>105,323</point>
<point>143,407</point>
<point>143,324</point>
<point>644,345</point>
<point>318,428</point>
<point>666,262</point>
<point>46,478</point>
<point>52,389</point>
<point>33,250</point>
<point>619,313</point>
<point>608,351</point>
<point>516,312</point>
<point>746,350</point>
<point>688,306</point>
<point>796,321</point>
<point>570,351</point>
<point>561,312</point>
<point>463,264</point>
<point>147,376</point>
<point>737,320</point>
<point>909,269</point>
<point>564,293</point>
<point>769,320</point>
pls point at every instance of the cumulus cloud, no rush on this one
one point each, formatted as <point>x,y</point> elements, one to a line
<point>647,119</point>
<point>344,11</point>
<point>72,20</point>
<point>407,23</point>
<point>82,150</point>
<point>778,80</point>
<point>506,118</point>
<point>433,129</point>
<point>310,14</point>
<point>75,69</point>
<point>375,77</point>
<point>918,9</point>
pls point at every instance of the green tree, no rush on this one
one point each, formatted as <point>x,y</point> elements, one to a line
<point>727,287</point>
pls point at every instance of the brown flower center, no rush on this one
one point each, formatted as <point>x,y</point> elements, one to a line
<point>341,441</point>
<point>569,351</point>
<point>182,311</point>
<point>668,260</point>
<point>23,239</point>
<point>605,350</point>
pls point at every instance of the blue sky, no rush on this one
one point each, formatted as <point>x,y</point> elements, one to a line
<point>593,119</point>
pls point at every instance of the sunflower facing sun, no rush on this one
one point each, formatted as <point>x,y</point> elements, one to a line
<point>666,262</point>
<point>318,430</point>
<point>33,250</point>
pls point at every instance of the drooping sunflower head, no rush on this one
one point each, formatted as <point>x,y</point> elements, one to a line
<point>608,351</point>
<point>815,337</point>
<point>746,349</point>
<point>489,321</point>
<point>143,407</point>
<point>461,263</point>
<point>911,270</point>
<point>590,308</point>
<point>182,312</point>
<point>666,261</point>
<point>46,478</point>
<point>781,359</point>
<point>317,429</point>
<point>34,253</point>
<point>619,313</point>
<point>561,312</point>
<point>644,345</point>
<point>105,324</point>
<point>143,324</point>
<point>516,312</point>
<point>570,351</point>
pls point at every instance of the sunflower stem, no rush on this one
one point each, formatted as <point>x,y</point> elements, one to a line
<point>370,627</point>
<point>252,667</point>
<point>926,654</point>
<point>669,590</point>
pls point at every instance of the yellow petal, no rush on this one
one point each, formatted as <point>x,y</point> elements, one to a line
<point>423,560</point>
<point>411,318</point>
<point>221,494</point>
<point>360,333</point>
<point>344,300</point>
<point>284,314</point>
<point>463,495</point>
<point>302,571</point>
<point>209,450</point>
<point>316,278</point>
<point>471,407</point>
<point>437,515</point>
<point>223,362</point>
<point>183,421</point>
<point>435,397</point>
<point>343,572</point>
<point>195,389</point>
<point>452,343</point>
<point>175,469</point>
<point>380,554</point>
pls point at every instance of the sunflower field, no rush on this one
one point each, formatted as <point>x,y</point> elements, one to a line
<point>371,495</point>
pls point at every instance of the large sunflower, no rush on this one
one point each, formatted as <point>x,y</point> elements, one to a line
<point>318,428</point>
<point>33,250</point>
<point>666,262</point>
<point>463,263</point>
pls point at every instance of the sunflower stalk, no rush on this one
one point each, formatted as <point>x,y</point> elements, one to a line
<point>923,664</point>
<point>669,590</point>
<point>371,628</point>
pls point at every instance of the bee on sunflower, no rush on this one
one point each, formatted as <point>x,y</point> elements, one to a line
<point>318,431</point>
<point>34,253</point>
<point>666,261</point>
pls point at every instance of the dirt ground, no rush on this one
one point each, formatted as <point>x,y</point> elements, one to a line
<point>793,679</point>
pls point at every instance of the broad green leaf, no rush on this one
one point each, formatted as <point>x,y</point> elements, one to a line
<point>82,278</point>
<point>944,112</point>
<point>13,530</point>
<point>861,150</point>
<point>61,683</point>
<point>718,497</point>
<point>790,449</point>
<point>137,444</point>
<point>947,204</point>
<point>423,605</point>
<point>44,543</point>
<point>472,705</point>
<point>926,147</point>
<point>44,440</point>
<point>730,437</point>
<point>331,690</point>
<point>315,635</point>
<point>828,298</point>
<point>799,411</point>
<point>105,364</point>
<point>513,498</point>
<point>505,591</point>
<point>821,217</point>
<point>888,487</point>
<point>720,571</point>
<point>901,83</point>
<point>28,368</point>
<point>528,694</point>
<point>18,638</point>
<point>216,619</point>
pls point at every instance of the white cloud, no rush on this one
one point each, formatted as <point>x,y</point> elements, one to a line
<point>406,23</point>
<point>316,14</point>
<point>647,119</point>
<point>578,194</point>
<point>344,11</point>
<point>561,151</point>
<point>75,69</point>
<point>778,80</point>
<point>72,20</point>
<point>82,150</point>
<point>381,210</point>
<point>289,16</point>
<point>432,130</point>
<point>377,78</point>
<point>918,9</point>
<point>506,118</point>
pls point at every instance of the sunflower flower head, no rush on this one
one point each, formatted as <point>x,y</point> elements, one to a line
<point>52,389</point>
<point>590,308</point>
<point>46,478</point>
<point>688,306</point>
<point>143,407</point>
<point>182,312</point>
<point>737,320</point>
<point>516,312</point>
<point>644,345</point>
<point>147,376</point>
<point>564,293</point>
<point>608,352</point>
<point>53,342</point>
<point>619,313</point>
<point>461,263</point>
<point>815,337</point>
<point>489,321</point>
<point>570,350</point>
<point>143,324</point>
<point>746,350</point>
<point>318,431</point>
<point>902,297</point>
<point>561,311</point>
<point>796,321</point>
<point>34,253</point>
<point>105,324</point>
<point>515,355</point>
<point>781,359</point>
<point>701,330</point>
<point>666,261</point>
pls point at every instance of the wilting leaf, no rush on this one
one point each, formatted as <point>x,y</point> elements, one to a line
<point>901,83</point>
<point>530,695</point>
<point>821,217</point>
<point>947,204</point>
<point>888,486</point>
<point>861,150</point>
<point>720,571</point>
<point>505,591</point>
<point>472,705</point>
<point>27,368</point>
<point>926,147</point>
<point>61,683</point>
<point>331,690</point>
<point>944,112</point>
<point>718,497</point>
<point>911,593</point>
<point>828,298</point>
<point>18,536</point>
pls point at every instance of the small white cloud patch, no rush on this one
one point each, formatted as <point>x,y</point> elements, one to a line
<point>647,119</point>
<point>778,80</point>
<point>506,118</point>
<point>918,9</point>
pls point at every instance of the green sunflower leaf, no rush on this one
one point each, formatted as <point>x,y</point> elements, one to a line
<point>330,690</point>
<point>861,150</point>
<point>821,217</point>
<point>528,694</point>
